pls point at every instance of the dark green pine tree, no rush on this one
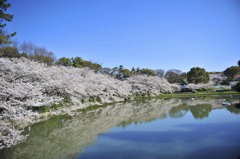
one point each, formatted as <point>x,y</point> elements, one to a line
<point>5,17</point>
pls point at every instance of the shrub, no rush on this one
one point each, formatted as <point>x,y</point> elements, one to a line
<point>64,61</point>
<point>148,72</point>
<point>42,55</point>
<point>231,72</point>
<point>197,75</point>
<point>9,52</point>
<point>80,63</point>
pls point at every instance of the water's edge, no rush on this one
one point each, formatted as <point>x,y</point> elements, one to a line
<point>83,128</point>
<point>17,132</point>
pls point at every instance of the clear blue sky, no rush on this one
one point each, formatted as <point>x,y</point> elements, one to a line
<point>166,34</point>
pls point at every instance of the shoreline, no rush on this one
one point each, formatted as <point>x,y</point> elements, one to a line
<point>32,92</point>
<point>91,122</point>
<point>74,110</point>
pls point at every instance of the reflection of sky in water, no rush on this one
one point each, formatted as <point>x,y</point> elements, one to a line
<point>217,136</point>
<point>151,129</point>
<point>216,116</point>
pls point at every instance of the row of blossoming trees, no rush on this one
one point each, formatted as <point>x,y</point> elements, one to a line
<point>195,75</point>
<point>26,49</point>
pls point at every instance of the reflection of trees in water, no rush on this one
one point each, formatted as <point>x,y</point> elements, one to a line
<point>66,137</point>
<point>179,111</point>
<point>234,108</point>
<point>199,111</point>
<point>139,122</point>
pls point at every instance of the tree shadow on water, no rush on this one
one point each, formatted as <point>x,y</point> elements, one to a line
<point>234,108</point>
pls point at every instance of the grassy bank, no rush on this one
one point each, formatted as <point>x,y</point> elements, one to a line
<point>191,95</point>
<point>198,94</point>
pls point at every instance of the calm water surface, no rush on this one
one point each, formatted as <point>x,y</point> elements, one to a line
<point>168,128</point>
